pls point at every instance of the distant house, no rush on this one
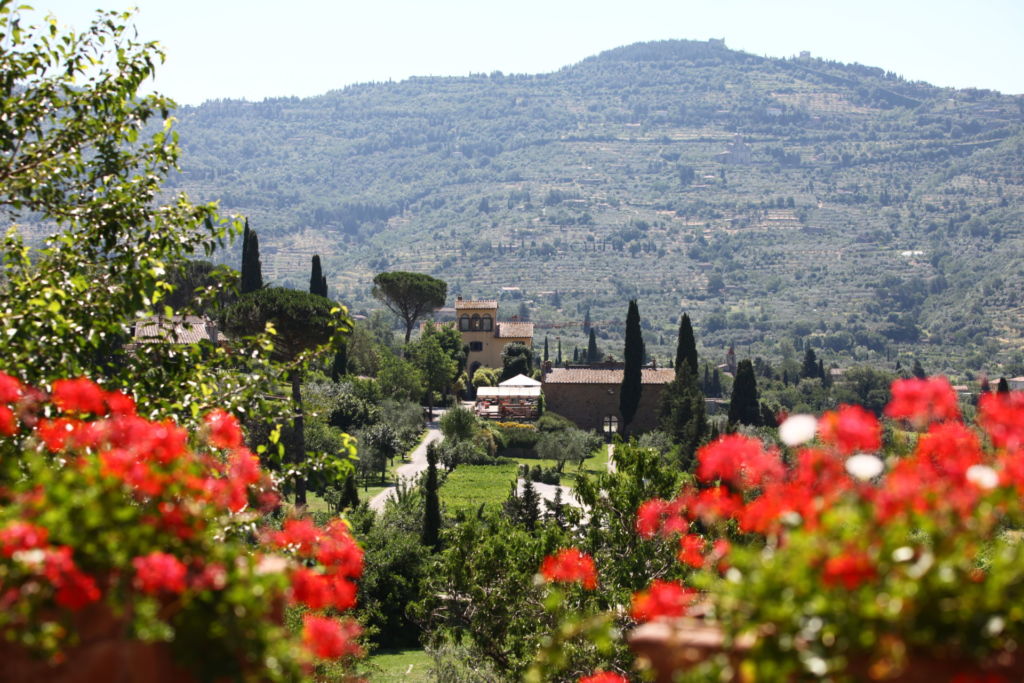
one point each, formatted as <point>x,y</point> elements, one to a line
<point>175,329</point>
<point>737,152</point>
<point>484,335</point>
<point>590,397</point>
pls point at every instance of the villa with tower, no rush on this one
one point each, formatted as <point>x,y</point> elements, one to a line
<point>484,335</point>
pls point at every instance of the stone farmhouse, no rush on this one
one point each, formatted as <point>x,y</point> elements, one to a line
<point>486,336</point>
<point>590,396</point>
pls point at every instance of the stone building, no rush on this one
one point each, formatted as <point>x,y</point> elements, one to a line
<point>484,335</point>
<point>590,397</point>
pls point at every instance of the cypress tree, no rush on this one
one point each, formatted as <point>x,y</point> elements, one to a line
<point>682,414</point>
<point>586,322</point>
<point>716,384</point>
<point>985,387</point>
<point>252,268</point>
<point>686,346</point>
<point>317,279</point>
<point>632,375</point>
<point>545,348</point>
<point>529,504</point>
<point>431,535</point>
<point>558,358</point>
<point>339,367</point>
<point>245,242</point>
<point>743,406</point>
<point>826,378</point>
<point>810,366</point>
<point>575,355</point>
<point>593,355</point>
<point>1003,387</point>
<point>918,371</point>
<point>821,370</point>
<point>349,493</point>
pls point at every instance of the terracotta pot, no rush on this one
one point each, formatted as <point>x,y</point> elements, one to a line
<point>671,646</point>
<point>104,654</point>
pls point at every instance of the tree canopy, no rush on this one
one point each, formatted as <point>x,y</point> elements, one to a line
<point>410,296</point>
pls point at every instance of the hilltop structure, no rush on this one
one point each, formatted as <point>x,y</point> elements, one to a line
<point>484,336</point>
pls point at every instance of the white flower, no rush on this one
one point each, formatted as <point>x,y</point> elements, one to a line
<point>798,429</point>
<point>982,476</point>
<point>864,466</point>
<point>271,564</point>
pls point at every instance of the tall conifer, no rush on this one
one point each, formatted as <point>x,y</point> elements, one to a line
<point>317,279</point>
<point>744,407</point>
<point>431,534</point>
<point>252,267</point>
<point>686,346</point>
<point>632,373</point>
<point>593,355</point>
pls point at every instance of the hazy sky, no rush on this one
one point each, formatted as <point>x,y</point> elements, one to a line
<point>256,48</point>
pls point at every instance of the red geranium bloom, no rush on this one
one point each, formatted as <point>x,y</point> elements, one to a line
<point>76,590</point>
<point>570,566</point>
<point>738,460</point>
<point>340,552</point>
<point>343,593</point>
<point>691,550</point>
<point>950,449</point>
<point>22,536</point>
<point>158,572</point>
<point>311,589</point>
<point>328,638</point>
<point>120,403</point>
<point>714,504</point>
<point>11,390</point>
<point>8,423</point>
<point>604,677</point>
<point>849,569</point>
<point>923,400</point>
<point>80,395</point>
<point>662,599</point>
<point>851,429</point>
<point>656,515</point>
<point>301,534</point>
<point>1002,416</point>
<point>225,431</point>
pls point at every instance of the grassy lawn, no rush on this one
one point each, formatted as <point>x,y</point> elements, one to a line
<point>397,665</point>
<point>595,464</point>
<point>470,485</point>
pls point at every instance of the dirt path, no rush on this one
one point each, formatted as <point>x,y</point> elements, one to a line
<point>417,463</point>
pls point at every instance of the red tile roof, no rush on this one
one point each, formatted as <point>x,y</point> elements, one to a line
<point>476,303</point>
<point>178,329</point>
<point>599,376</point>
<point>514,330</point>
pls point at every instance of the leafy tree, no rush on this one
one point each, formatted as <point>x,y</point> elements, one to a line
<point>744,407</point>
<point>252,266</point>
<point>435,366</point>
<point>567,445</point>
<point>917,370</point>
<point>485,377</point>
<point>379,442</point>
<point>459,424</point>
<point>410,296</point>
<point>516,359</point>
<point>632,376</point>
<point>399,379</point>
<point>431,535</point>
<point>301,322</point>
<point>317,280</point>
<point>865,386</point>
<point>686,346</point>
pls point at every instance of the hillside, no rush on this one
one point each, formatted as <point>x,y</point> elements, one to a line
<point>773,199</point>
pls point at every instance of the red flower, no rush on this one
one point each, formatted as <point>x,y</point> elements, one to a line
<point>224,429</point>
<point>311,589</point>
<point>691,550</point>
<point>923,400</point>
<point>1002,416</point>
<point>213,577</point>
<point>120,403</point>
<point>662,599</point>
<point>656,515</point>
<point>76,590</point>
<point>340,552</point>
<point>738,460</point>
<point>300,534</point>
<point>22,536</point>
<point>950,449</point>
<point>849,569</point>
<point>851,428</point>
<point>11,390</point>
<point>8,423</point>
<point>714,504</point>
<point>343,593</point>
<point>328,638</point>
<point>159,572</point>
<point>80,395</point>
<point>570,566</point>
<point>603,677</point>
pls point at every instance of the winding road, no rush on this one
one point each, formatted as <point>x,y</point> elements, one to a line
<point>408,472</point>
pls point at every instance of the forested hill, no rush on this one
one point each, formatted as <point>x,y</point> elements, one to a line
<point>775,199</point>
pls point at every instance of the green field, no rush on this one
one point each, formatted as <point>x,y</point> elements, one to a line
<point>397,665</point>
<point>469,486</point>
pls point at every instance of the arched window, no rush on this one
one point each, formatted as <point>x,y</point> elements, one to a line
<point>488,323</point>
<point>476,322</point>
<point>464,323</point>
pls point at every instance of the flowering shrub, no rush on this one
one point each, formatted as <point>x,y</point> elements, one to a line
<point>851,559</point>
<point>108,515</point>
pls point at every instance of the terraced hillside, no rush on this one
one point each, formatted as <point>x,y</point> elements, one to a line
<point>776,200</point>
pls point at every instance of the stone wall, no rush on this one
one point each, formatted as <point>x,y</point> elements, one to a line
<point>588,404</point>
